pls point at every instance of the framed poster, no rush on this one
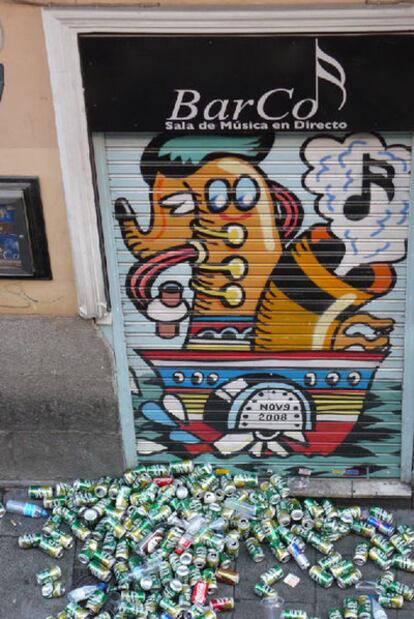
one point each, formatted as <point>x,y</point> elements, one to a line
<point>23,244</point>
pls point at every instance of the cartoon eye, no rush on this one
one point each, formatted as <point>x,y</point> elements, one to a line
<point>217,195</point>
<point>179,203</point>
<point>247,193</point>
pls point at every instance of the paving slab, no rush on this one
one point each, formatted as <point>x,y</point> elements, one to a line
<point>21,596</point>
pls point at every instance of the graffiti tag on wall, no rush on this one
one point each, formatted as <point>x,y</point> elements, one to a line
<point>280,351</point>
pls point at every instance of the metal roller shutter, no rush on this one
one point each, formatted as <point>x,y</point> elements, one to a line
<point>263,290</point>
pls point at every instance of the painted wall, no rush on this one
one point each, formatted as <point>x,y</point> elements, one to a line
<point>28,146</point>
<point>263,290</point>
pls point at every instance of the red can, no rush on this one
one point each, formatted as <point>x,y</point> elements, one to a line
<point>163,481</point>
<point>199,594</point>
<point>220,605</point>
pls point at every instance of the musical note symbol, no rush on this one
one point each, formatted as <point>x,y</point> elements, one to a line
<point>357,207</point>
<point>335,75</point>
<point>327,68</point>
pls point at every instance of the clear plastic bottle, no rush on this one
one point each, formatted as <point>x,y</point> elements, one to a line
<point>83,593</point>
<point>145,569</point>
<point>377,611</point>
<point>241,508</point>
<point>194,527</point>
<point>26,509</point>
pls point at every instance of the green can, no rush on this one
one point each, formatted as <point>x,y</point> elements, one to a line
<point>106,559</point>
<point>327,562</point>
<point>272,575</point>
<point>40,492</point>
<point>255,550</point>
<point>185,467</point>
<point>246,480</point>
<point>350,608</point>
<point>399,588</point>
<point>115,527</point>
<point>79,530</point>
<point>361,553</point>
<point>63,539</point>
<point>264,591</point>
<point>63,489</point>
<point>173,588</point>
<point>68,515</point>
<point>29,540</point>
<point>335,613</point>
<point>50,574</point>
<point>279,551</point>
<point>53,589</point>
<point>96,601</point>
<point>342,568</point>
<point>99,571</point>
<point>169,605</point>
<point>122,551</point>
<point>349,579</point>
<point>122,499</point>
<point>313,507</point>
<point>403,563</point>
<point>74,611</point>
<point>381,542</point>
<point>51,524</point>
<point>379,558</point>
<point>400,544</point>
<point>50,547</point>
<point>130,609</point>
<point>391,601</point>
<point>293,613</point>
<point>329,509</point>
<point>87,551</point>
<point>323,546</point>
<point>321,577</point>
<point>364,607</point>
<point>381,514</point>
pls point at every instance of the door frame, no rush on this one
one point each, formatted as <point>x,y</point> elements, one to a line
<point>62,26</point>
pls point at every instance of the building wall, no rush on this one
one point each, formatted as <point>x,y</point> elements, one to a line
<point>28,146</point>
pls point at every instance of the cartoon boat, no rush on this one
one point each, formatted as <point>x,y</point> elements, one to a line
<point>303,402</point>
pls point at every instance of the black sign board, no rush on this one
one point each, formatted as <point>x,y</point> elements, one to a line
<point>248,83</point>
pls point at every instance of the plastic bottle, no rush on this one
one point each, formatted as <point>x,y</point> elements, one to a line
<point>218,525</point>
<point>195,525</point>
<point>83,593</point>
<point>144,569</point>
<point>26,509</point>
<point>273,607</point>
<point>377,611</point>
<point>241,508</point>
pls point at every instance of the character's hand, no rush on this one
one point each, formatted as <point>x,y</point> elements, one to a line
<point>377,341</point>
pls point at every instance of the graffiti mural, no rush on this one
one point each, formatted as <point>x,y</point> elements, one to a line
<point>259,290</point>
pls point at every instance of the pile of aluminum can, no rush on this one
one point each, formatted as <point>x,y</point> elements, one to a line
<point>162,538</point>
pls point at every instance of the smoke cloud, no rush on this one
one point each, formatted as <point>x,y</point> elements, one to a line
<point>363,189</point>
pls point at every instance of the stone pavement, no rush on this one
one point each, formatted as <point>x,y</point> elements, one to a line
<point>21,598</point>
